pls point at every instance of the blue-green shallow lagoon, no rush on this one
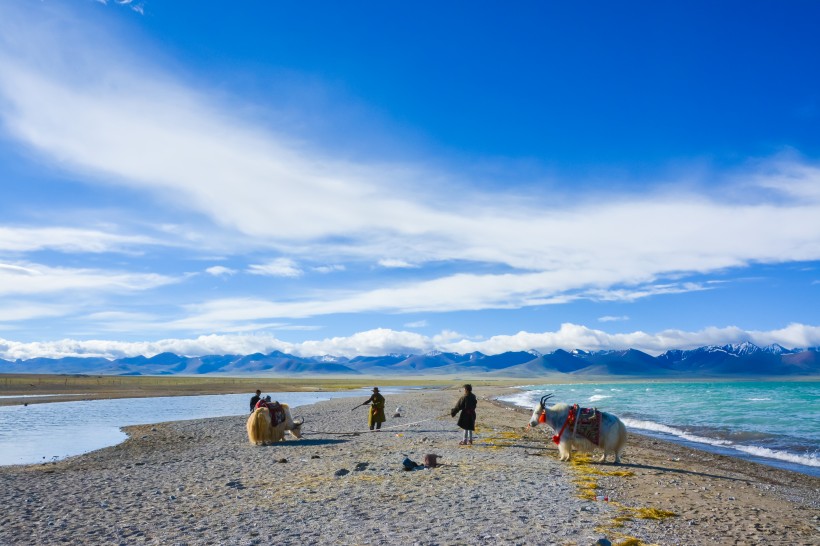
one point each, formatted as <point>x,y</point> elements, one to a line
<point>48,432</point>
<point>775,423</point>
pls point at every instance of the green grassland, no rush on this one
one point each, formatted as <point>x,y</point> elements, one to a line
<point>79,387</point>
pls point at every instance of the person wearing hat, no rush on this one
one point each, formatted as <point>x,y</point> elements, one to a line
<point>375,417</point>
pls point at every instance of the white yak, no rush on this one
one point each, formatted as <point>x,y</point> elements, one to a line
<point>567,421</point>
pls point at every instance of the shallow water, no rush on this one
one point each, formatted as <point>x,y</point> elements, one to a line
<point>776,423</point>
<point>52,431</point>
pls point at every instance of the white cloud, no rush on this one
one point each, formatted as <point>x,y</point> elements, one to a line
<point>417,324</point>
<point>573,336</point>
<point>610,318</point>
<point>454,293</point>
<point>280,267</point>
<point>329,268</point>
<point>67,240</point>
<point>381,341</point>
<point>30,279</point>
<point>220,271</point>
<point>396,263</point>
<point>13,312</point>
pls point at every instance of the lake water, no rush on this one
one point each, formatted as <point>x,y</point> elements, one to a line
<point>775,423</point>
<point>46,432</point>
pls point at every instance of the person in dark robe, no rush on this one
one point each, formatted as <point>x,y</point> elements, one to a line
<point>466,405</point>
<point>254,399</point>
<point>375,417</point>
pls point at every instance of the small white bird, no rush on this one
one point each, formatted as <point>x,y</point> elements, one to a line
<point>397,413</point>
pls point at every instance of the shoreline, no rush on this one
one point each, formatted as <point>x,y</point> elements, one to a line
<point>201,482</point>
<point>162,386</point>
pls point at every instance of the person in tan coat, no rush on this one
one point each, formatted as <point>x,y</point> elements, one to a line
<point>375,417</point>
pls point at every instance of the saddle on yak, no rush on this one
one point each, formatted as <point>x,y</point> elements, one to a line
<point>277,413</point>
<point>588,425</point>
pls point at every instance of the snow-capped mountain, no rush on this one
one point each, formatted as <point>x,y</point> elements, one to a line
<point>741,360</point>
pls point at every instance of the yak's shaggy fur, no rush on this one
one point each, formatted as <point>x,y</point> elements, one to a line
<point>260,431</point>
<point>613,432</point>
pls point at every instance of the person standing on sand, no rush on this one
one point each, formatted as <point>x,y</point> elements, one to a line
<point>375,416</point>
<point>255,398</point>
<point>466,405</point>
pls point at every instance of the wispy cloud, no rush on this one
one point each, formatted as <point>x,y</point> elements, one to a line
<point>610,318</point>
<point>395,263</point>
<point>416,324</point>
<point>280,267</point>
<point>13,312</point>
<point>69,240</point>
<point>221,271</point>
<point>329,268</point>
<point>454,293</point>
<point>28,278</point>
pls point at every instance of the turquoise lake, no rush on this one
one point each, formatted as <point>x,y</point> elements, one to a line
<point>775,423</point>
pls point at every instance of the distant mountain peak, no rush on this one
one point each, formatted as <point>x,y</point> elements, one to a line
<point>777,349</point>
<point>330,358</point>
<point>745,348</point>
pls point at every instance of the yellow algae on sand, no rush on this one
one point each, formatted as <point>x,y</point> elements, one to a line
<point>653,513</point>
<point>501,440</point>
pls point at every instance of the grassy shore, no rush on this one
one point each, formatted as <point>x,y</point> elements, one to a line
<point>38,388</point>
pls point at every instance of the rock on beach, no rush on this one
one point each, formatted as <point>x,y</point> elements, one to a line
<point>202,482</point>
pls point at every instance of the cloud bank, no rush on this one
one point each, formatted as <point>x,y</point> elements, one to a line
<point>382,341</point>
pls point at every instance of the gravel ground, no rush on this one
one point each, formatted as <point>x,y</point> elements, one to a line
<point>202,482</point>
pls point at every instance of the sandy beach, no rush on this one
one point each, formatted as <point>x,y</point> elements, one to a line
<point>202,482</point>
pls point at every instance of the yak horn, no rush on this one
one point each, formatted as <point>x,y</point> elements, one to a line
<point>544,400</point>
<point>299,421</point>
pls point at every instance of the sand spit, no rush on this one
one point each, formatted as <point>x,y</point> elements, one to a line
<point>201,482</point>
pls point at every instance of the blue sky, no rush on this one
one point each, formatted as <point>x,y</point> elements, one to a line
<point>327,178</point>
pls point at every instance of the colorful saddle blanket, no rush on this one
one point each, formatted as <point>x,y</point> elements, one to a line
<point>277,413</point>
<point>589,425</point>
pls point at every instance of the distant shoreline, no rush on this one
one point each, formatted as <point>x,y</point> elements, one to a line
<point>18,388</point>
<point>44,388</point>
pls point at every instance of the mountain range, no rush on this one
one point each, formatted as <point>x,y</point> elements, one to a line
<point>745,359</point>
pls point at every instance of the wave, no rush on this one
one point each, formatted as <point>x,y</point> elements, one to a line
<point>807,460</point>
<point>756,451</point>
<point>597,397</point>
